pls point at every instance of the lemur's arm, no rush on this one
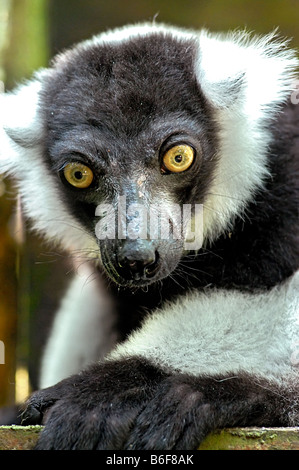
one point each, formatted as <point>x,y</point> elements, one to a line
<point>182,375</point>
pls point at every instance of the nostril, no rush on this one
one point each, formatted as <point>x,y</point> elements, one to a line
<point>132,264</point>
<point>143,267</point>
<point>135,266</point>
<point>151,268</point>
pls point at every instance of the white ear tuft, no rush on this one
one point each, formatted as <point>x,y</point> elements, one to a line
<point>264,64</point>
<point>20,125</point>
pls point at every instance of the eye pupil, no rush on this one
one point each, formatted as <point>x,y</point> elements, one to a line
<point>178,158</point>
<point>78,175</point>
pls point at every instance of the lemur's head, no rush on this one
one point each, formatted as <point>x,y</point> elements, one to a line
<point>118,146</point>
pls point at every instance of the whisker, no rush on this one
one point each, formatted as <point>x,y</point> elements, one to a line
<point>212,210</point>
<point>231,176</point>
<point>225,195</point>
<point>172,277</point>
<point>45,262</point>
<point>91,278</point>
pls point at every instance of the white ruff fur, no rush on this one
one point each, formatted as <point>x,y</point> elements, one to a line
<point>266,70</point>
<point>223,332</point>
<point>39,189</point>
<point>82,332</point>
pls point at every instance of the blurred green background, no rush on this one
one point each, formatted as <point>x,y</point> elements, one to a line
<point>31,32</point>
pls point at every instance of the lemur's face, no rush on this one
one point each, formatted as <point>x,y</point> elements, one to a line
<point>116,145</point>
<point>128,136</point>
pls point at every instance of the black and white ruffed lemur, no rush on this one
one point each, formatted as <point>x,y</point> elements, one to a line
<point>154,344</point>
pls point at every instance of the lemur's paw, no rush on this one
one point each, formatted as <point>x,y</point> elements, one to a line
<point>119,405</point>
<point>95,409</point>
<point>131,404</point>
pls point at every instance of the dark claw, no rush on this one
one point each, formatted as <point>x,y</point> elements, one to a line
<point>31,415</point>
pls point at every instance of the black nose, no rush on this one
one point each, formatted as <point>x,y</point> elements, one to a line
<point>137,260</point>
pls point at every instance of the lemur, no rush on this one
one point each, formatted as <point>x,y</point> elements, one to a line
<point>159,341</point>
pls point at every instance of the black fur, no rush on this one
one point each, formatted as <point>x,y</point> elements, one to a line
<point>150,409</point>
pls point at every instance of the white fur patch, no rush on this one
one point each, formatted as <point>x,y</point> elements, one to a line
<point>265,69</point>
<point>125,33</point>
<point>223,332</point>
<point>82,331</point>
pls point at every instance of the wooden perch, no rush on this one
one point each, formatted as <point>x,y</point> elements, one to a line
<point>24,438</point>
<point>18,437</point>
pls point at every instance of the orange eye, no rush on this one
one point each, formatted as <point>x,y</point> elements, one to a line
<point>179,158</point>
<point>78,175</point>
